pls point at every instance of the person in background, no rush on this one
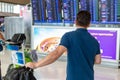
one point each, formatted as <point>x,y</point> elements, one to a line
<point>1,42</point>
<point>1,36</point>
<point>2,31</point>
<point>2,27</point>
<point>83,51</point>
<point>1,48</point>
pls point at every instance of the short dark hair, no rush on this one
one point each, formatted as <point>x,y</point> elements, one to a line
<point>83,18</point>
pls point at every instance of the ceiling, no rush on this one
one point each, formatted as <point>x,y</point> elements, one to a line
<point>22,2</point>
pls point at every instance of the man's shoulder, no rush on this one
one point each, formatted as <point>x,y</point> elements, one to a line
<point>69,33</point>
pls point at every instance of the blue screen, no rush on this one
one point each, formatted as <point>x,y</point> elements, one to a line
<point>64,11</point>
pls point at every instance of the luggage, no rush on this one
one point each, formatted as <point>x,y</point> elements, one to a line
<point>21,73</point>
<point>17,70</point>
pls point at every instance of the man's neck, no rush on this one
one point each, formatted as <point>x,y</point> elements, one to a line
<point>80,27</point>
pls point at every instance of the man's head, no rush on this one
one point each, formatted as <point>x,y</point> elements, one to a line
<point>83,19</point>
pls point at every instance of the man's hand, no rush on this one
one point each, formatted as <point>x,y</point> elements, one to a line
<point>31,65</point>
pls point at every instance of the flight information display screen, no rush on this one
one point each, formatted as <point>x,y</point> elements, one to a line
<point>64,11</point>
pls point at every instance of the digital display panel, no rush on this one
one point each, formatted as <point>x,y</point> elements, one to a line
<point>47,39</point>
<point>64,11</point>
<point>108,42</point>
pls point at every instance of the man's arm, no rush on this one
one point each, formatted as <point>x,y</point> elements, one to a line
<point>50,58</point>
<point>98,59</point>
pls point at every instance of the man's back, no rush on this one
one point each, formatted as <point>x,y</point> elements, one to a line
<point>82,49</point>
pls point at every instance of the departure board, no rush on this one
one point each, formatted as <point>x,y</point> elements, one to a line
<point>117,12</point>
<point>107,11</point>
<point>53,8</point>
<point>70,9</point>
<point>95,14</point>
<point>35,11</point>
<point>42,10</point>
<point>65,11</point>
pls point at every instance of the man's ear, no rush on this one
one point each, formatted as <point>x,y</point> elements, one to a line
<point>76,22</point>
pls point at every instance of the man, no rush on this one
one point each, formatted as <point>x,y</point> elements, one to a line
<point>83,51</point>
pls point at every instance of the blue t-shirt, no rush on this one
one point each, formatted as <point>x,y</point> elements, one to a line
<point>81,51</point>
